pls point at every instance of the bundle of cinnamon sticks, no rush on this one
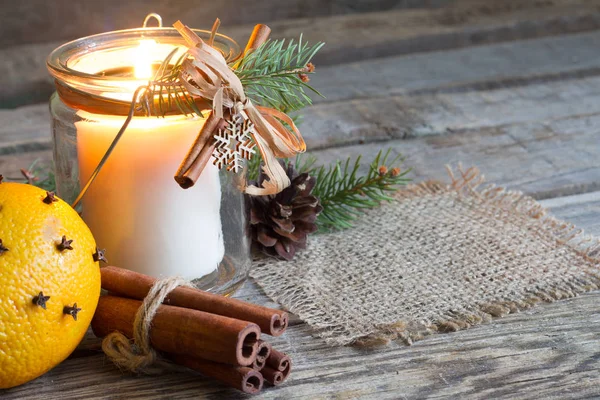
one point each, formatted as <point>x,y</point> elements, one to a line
<point>218,336</point>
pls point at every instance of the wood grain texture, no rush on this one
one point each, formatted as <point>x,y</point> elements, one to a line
<point>427,94</point>
<point>352,37</point>
<point>10,165</point>
<point>541,138</point>
<point>382,118</point>
<point>533,158</point>
<point>459,24</point>
<point>87,17</point>
<point>549,351</point>
<point>400,116</point>
<point>25,129</point>
<point>422,95</point>
<point>582,210</point>
<point>499,65</point>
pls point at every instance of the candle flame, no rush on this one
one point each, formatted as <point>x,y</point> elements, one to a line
<point>143,57</point>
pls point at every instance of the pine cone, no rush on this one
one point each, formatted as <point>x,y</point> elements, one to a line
<point>281,223</point>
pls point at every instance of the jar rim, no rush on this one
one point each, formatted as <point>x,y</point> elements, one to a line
<point>59,60</point>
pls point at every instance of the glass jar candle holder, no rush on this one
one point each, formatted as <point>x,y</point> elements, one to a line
<point>135,209</point>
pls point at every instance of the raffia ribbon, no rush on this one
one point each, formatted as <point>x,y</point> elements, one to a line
<point>214,80</point>
<point>139,356</point>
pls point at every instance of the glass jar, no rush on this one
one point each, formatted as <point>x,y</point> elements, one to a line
<point>134,208</point>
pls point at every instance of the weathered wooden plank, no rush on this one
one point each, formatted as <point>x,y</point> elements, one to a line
<point>499,65</point>
<point>400,116</point>
<point>459,24</point>
<point>523,137</point>
<point>27,128</point>
<point>549,351</point>
<point>541,160</point>
<point>385,105</point>
<point>11,164</point>
<point>353,37</point>
<point>83,18</point>
<point>581,210</point>
<point>384,117</point>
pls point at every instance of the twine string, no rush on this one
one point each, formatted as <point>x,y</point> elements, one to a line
<point>138,356</point>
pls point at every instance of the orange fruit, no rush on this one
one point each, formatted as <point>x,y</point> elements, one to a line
<point>41,280</point>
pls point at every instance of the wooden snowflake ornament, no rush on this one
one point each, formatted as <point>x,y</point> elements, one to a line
<point>234,144</point>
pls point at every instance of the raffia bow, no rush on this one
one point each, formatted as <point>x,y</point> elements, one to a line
<point>206,74</point>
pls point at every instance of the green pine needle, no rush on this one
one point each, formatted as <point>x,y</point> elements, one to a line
<point>270,74</point>
<point>305,163</point>
<point>344,193</point>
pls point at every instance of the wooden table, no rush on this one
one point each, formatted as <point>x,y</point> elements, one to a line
<point>498,85</point>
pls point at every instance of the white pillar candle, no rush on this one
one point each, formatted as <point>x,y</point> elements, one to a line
<point>136,210</point>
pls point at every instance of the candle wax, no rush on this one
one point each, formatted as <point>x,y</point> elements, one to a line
<point>136,210</point>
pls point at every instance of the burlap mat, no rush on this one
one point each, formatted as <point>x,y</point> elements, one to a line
<point>440,258</point>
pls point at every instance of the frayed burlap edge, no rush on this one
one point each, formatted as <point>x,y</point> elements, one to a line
<point>469,184</point>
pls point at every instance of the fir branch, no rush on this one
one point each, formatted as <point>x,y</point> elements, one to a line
<point>272,75</point>
<point>343,193</point>
<point>305,163</point>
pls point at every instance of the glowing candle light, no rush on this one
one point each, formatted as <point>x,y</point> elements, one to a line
<point>134,208</point>
<point>143,64</point>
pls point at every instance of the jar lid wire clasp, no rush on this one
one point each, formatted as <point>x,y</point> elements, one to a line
<point>108,152</point>
<point>150,16</point>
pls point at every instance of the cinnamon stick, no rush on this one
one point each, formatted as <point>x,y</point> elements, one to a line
<point>199,154</point>
<point>273,376</point>
<point>180,330</point>
<point>134,285</point>
<point>213,32</point>
<point>279,361</point>
<point>245,379</point>
<point>259,35</point>
<point>264,350</point>
<point>278,368</point>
